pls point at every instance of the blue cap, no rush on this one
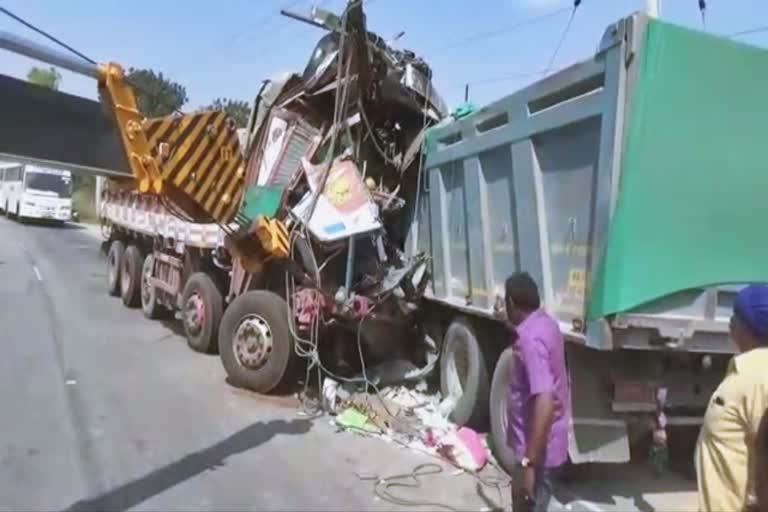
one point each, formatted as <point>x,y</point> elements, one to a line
<point>751,306</point>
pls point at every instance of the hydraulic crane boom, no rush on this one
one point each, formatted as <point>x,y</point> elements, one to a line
<point>193,160</point>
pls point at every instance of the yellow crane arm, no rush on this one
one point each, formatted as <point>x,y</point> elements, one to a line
<point>194,159</point>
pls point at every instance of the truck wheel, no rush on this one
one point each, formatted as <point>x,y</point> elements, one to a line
<point>499,410</point>
<point>464,375</point>
<point>114,263</point>
<point>130,277</point>
<point>150,306</point>
<point>255,342</point>
<point>201,305</point>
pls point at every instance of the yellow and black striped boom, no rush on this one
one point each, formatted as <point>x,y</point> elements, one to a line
<point>194,160</point>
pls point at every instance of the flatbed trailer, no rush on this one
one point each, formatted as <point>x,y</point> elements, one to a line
<point>164,264</point>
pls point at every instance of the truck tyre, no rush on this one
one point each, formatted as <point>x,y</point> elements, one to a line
<point>114,264</point>
<point>201,308</point>
<point>19,218</point>
<point>464,375</point>
<point>499,410</point>
<point>255,342</point>
<point>150,306</point>
<point>130,277</point>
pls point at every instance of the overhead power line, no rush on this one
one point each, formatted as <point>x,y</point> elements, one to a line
<point>747,32</point>
<point>576,4</point>
<point>261,22</point>
<point>46,35</point>
<point>69,48</point>
<point>479,36</point>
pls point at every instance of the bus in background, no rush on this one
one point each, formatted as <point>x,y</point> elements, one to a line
<point>8,172</point>
<point>33,192</point>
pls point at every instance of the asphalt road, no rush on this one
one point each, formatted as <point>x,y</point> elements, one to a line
<point>105,410</point>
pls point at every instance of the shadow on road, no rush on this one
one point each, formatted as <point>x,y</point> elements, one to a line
<point>603,483</point>
<point>41,223</point>
<point>166,477</point>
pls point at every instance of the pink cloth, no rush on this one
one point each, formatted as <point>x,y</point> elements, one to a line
<point>474,446</point>
<point>539,367</point>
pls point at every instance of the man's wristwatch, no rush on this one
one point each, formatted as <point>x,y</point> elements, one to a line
<point>525,462</point>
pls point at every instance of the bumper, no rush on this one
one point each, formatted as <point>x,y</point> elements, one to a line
<point>35,212</point>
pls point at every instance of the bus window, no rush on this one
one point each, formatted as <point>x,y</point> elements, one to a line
<point>58,184</point>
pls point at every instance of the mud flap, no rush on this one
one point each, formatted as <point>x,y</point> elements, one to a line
<point>596,434</point>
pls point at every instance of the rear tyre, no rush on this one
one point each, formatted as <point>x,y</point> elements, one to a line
<point>464,375</point>
<point>19,218</point>
<point>114,264</point>
<point>201,310</point>
<point>255,342</point>
<point>499,410</point>
<point>150,306</point>
<point>130,277</point>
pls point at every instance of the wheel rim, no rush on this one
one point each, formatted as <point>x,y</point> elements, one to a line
<point>146,288</point>
<point>456,374</point>
<point>253,342</point>
<point>194,314</point>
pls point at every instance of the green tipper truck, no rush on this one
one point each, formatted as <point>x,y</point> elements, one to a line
<point>632,186</point>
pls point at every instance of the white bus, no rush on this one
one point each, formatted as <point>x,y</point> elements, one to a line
<point>33,192</point>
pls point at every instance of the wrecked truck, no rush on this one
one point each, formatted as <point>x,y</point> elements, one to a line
<point>267,241</point>
<point>359,225</point>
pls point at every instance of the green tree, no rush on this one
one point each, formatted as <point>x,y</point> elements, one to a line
<point>156,95</point>
<point>49,78</point>
<point>237,109</point>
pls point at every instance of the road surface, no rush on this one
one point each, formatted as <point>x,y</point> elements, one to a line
<point>105,410</point>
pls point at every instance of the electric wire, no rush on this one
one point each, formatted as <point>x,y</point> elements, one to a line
<point>493,33</point>
<point>755,30</point>
<point>560,42</point>
<point>262,22</point>
<point>46,35</point>
<point>59,42</point>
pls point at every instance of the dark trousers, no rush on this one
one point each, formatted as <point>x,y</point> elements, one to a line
<point>544,487</point>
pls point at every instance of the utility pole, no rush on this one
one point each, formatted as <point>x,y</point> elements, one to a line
<point>97,193</point>
<point>653,8</point>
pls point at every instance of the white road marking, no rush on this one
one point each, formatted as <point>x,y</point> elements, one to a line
<point>70,382</point>
<point>37,273</point>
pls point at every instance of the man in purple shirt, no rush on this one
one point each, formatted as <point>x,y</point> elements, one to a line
<point>539,394</point>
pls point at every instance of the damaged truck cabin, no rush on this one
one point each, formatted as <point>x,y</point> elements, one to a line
<point>334,156</point>
<point>267,249</point>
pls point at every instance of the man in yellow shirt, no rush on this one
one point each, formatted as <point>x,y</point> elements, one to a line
<point>725,450</point>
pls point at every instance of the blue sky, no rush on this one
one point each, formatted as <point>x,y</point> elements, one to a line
<point>226,48</point>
